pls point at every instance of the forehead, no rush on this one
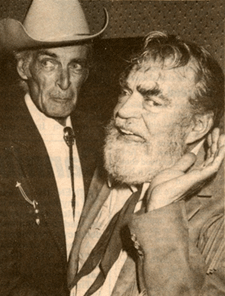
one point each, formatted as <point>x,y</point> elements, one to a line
<point>171,82</point>
<point>78,52</point>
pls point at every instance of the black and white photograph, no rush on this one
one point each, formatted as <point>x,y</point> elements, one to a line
<point>112,148</point>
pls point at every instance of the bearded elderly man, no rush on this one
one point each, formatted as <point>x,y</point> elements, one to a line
<point>44,173</point>
<point>172,97</point>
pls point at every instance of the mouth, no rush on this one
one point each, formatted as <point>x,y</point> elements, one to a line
<point>61,99</point>
<point>129,135</point>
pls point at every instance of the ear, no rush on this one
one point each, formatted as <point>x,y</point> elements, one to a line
<point>22,70</point>
<point>201,125</point>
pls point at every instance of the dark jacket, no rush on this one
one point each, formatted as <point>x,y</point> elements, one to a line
<point>33,257</point>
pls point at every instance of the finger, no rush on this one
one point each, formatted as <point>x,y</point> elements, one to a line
<point>217,161</point>
<point>209,139</point>
<point>208,161</point>
<point>210,157</point>
<point>221,141</point>
<point>188,180</point>
<point>185,162</point>
<point>209,154</point>
<point>215,138</point>
<point>220,157</point>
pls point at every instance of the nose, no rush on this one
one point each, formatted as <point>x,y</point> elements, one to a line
<point>64,79</point>
<point>130,107</point>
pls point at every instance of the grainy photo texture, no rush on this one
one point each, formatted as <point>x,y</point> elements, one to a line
<point>112,148</point>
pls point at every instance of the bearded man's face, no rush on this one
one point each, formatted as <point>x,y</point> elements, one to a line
<point>150,125</point>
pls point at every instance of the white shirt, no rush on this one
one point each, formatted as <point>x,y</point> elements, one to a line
<point>112,205</point>
<point>58,151</point>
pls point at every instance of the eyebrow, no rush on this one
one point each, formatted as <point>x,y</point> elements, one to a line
<point>53,55</point>
<point>155,91</point>
<point>48,53</point>
<point>79,61</point>
<point>124,84</point>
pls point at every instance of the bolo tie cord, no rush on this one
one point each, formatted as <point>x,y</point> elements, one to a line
<point>69,139</point>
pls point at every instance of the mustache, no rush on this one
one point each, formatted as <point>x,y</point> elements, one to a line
<point>111,128</point>
<point>115,126</point>
<point>125,126</point>
<point>114,131</point>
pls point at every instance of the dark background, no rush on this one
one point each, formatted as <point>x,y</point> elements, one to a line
<point>130,21</point>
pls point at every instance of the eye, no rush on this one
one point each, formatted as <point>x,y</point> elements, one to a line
<point>153,102</point>
<point>125,92</point>
<point>48,64</point>
<point>77,67</point>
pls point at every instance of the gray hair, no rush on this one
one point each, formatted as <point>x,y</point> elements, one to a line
<point>209,77</point>
<point>26,56</point>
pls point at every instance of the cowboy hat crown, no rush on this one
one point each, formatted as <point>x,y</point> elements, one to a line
<point>49,23</point>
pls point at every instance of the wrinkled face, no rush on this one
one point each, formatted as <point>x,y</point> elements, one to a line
<point>54,79</point>
<point>151,122</point>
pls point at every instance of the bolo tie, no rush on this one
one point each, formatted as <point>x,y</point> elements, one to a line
<point>69,139</point>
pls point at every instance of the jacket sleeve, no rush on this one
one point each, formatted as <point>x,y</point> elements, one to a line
<point>12,283</point>
<point>170,263</point>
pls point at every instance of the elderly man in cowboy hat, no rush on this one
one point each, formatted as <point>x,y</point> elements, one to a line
<point>160,166</point>
<point>48,151</point>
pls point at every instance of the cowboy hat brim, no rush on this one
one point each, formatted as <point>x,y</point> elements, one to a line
<point>16,37</point>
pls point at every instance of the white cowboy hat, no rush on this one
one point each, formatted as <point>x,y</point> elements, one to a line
<point>48,23</point>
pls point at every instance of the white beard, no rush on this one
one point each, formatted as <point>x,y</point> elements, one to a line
<point>136,162</point>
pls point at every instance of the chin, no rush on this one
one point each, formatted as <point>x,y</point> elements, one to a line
<point>135,162</point>
<point>58,113</point>
<point>130,163</point>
